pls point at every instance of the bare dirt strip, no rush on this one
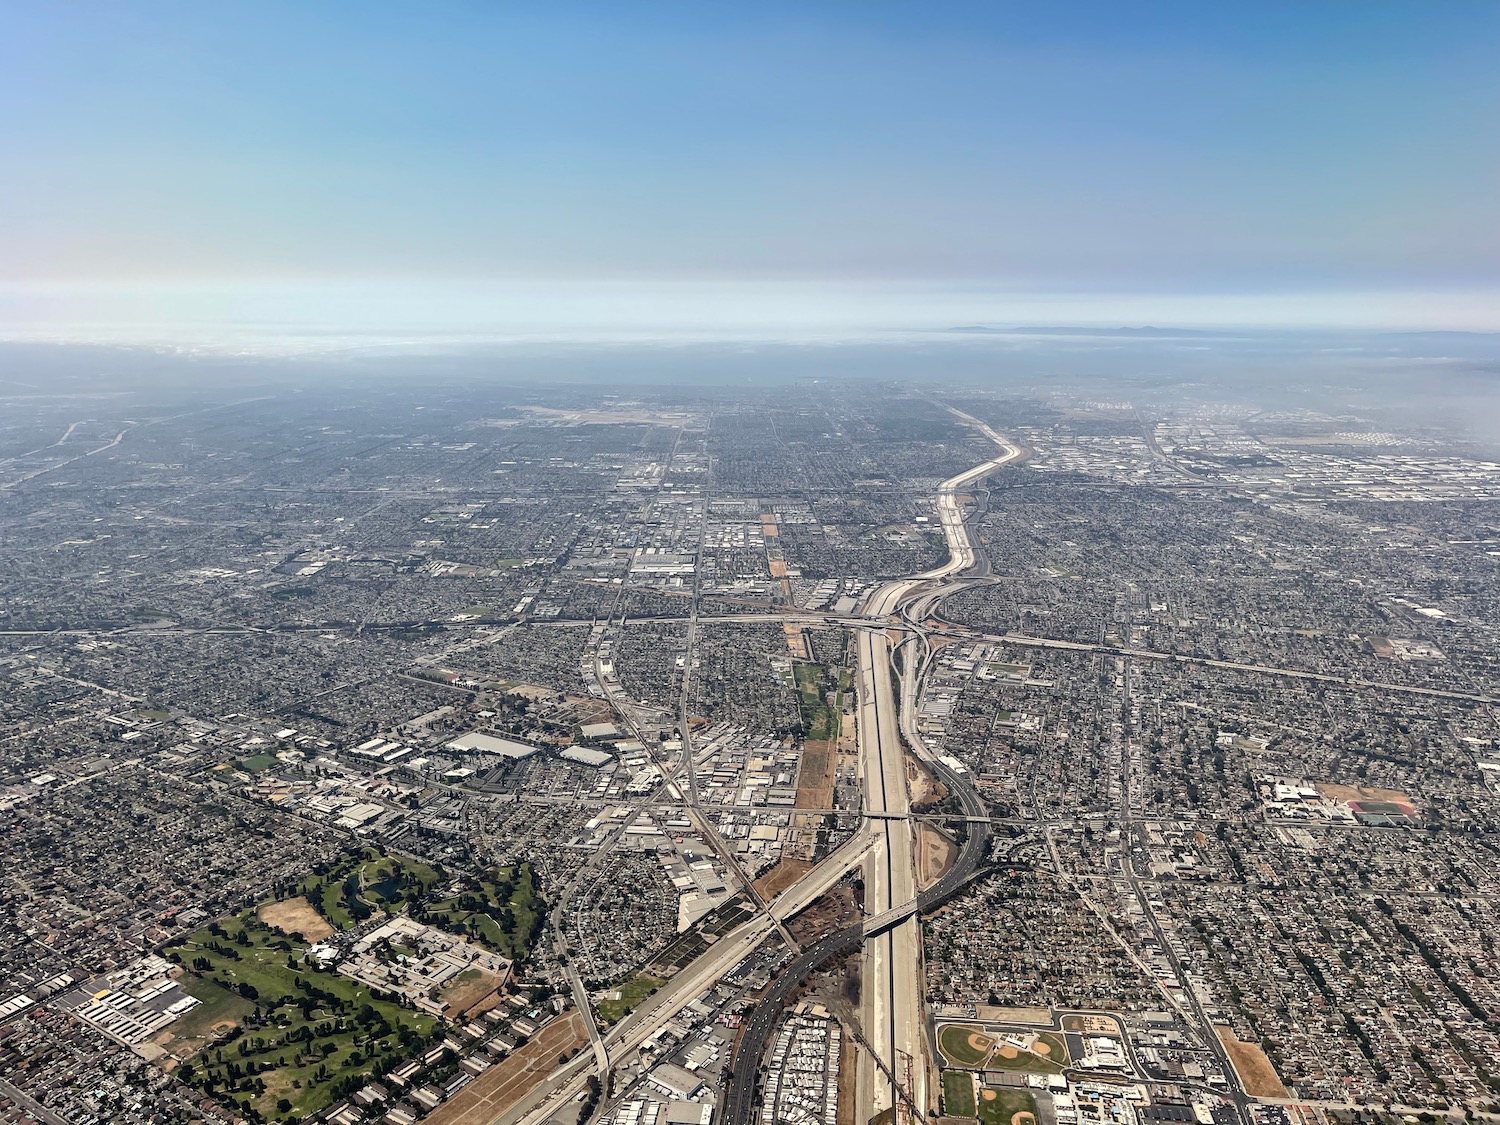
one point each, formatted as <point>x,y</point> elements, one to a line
<point>936,855</point>
<point>498,1089</point>
<point>815,778</point>
<point>780,877</point>
<point>468,993</point>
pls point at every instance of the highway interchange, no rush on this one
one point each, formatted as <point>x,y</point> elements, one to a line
<point>891,621</point>
<point>891,980</point>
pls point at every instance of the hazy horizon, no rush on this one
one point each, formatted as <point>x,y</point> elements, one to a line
<point>258,176</point>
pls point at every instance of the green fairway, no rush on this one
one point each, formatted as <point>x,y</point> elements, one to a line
<point>964,1044</point>
<point>633,989</point>
<point>958,1093</point>
<point>998,1105</point>
<point>304,1035</point>
<point>501,909</point>
<point>820,720</point>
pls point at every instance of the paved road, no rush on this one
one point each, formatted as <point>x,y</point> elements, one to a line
<point>1024,641</point>
<point>892,984</point>
<point>884,607</point>
<point>31,1105</point>
<point>741,1104</point>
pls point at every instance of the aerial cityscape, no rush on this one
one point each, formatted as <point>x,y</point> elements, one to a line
<point>839,563</point>
<point>822,753</point>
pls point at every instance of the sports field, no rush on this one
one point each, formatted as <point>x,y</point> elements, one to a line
<point>958,1093</point>
<point>1006,1105</point>
<point>964,1044</point>
<point>1045,1056</point>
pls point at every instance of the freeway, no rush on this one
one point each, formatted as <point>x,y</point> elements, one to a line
<point>883,846</point>
<point>756,1033</point>
<point>1023,641</point>
<point>891,983</point>
<point>692,982</point>
<point>892,987</point>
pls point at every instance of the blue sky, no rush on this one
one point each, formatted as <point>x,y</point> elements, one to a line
<point>1273,151</point>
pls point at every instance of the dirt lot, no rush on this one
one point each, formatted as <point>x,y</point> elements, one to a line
<point>780,877</point>
<point>296,916</point>
<point>990,1012</point>
<point>815,779</point>
<point>1251,1064</point>
<point>504,1084</point>
<point>936,854</point>
<point>830,912</point>
<point>1348,793</point>
<point>469,992</point>
<point>926,790</point>
<point>848,1060</point>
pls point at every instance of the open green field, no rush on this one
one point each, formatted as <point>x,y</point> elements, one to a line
<point>999,1104</point>
<point>820,720</point>
<point>305,1037</point>
<point>958,1093</point>
<point>633,989</point>
<point>964,1044</point>
<point>501,909</point>
<point>257,762</point>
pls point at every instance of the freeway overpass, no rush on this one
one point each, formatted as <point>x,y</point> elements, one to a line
<point>893,988</point>
<point>882,845</point>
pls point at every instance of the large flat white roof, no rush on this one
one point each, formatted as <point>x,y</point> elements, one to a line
<point>492,744</point>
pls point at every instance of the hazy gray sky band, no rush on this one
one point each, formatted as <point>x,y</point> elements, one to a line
<point>1099,148</point>
<point>317,314</point>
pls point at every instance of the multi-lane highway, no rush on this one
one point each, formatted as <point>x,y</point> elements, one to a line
<point>883,848</point>
<point>891,985</point>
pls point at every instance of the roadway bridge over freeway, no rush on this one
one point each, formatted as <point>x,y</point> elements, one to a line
<point>755,1036</point>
